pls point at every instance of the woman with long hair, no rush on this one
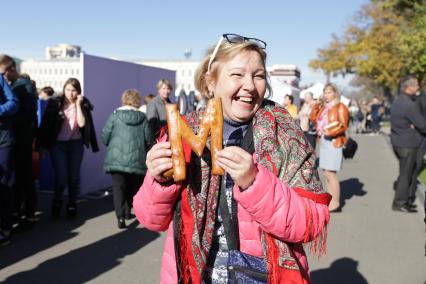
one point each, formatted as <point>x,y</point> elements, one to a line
<point>65,128</point>
<point>332,119</point>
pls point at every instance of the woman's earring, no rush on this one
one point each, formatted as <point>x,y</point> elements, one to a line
<point>211,94</point>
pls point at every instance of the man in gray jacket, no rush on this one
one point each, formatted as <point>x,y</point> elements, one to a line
<point>407,124</point>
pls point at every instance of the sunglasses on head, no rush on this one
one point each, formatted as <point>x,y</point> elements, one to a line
<point>234,38</point>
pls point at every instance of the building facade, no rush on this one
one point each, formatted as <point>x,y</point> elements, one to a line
<point>185,72</point>
<point>63,50</point>
<point>64,61</point>
<point>53,72</point>
<point>288,73</point>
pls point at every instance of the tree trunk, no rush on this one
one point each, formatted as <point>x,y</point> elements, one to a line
<point>387,93</point>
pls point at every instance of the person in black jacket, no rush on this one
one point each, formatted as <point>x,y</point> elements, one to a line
<point>24,128</point>
<point>407,124</point>
<point>9,105</point>
<point>66,126</point>
<point>126,135</point>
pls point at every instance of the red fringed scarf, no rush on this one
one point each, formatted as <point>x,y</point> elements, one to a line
<point>281,148</point>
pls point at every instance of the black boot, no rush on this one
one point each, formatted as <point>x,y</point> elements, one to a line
<point>121,223</point>
<point>56,209</point>
<point>71,211</point>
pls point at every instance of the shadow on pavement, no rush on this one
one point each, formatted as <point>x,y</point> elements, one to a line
<point>88,262</point>
<point>349,188</point>
<point>343,270</point>
<point>47,232</point>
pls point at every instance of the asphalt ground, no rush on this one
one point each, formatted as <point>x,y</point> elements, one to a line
<point>367,241</point>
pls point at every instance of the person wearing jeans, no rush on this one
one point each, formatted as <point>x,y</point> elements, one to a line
<point>66,126</point>
<point>66,160</point>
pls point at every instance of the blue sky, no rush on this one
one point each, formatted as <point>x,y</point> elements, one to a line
<point>293,30</point>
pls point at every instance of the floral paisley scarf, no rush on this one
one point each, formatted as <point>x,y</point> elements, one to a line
<point>281,148</point>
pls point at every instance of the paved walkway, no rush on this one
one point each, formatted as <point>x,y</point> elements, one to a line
<point>367,242</point>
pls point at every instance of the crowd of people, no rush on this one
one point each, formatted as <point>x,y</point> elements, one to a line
<point>65,127</point>
<point>367,116</point>
<point>270,200</point>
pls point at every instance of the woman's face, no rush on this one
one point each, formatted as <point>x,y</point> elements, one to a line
<point>329,95</point>
<point>71,93</point>
<point>164,92</point>
<point>287,101</point>
<point>241,85</point>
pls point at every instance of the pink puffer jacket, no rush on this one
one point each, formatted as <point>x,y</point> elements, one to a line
<point>268,204</point>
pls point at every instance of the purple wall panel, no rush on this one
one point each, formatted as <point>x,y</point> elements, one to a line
<point>104,80</point>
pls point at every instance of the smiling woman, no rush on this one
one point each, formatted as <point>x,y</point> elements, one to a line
<point>267,204</point>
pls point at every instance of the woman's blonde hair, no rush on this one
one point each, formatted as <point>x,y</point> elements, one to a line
<point>226,52</point>
<point>164,82</point>
<point>333,87</point>
<point>131,97</point>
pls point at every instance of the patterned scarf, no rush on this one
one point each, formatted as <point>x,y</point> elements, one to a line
<point>282,149</point>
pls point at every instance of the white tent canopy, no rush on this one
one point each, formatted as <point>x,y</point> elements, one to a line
<point>280,89</point>
<point>316,90</point>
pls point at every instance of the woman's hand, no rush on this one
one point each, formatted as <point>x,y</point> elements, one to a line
<point>158,160</point>
<point>238,164</point>
<point>79,99</point>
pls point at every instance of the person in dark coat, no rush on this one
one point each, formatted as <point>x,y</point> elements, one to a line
<point>67,126</point>
<point>24,128</point>
<point>126,134</point>
<point>407,124</point>
<point>376,111</point>
<point>9,105</point>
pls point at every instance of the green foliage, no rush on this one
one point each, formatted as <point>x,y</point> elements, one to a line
<point>412,43</point>
<point>366,87</point>
<point>385,40</point>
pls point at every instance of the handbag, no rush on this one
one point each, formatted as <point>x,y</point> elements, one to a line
<point>350,148</point>
<point>245,268</point>
<point>242,267</point>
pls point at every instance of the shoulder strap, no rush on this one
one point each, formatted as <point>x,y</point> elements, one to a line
<point>230,220</point>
